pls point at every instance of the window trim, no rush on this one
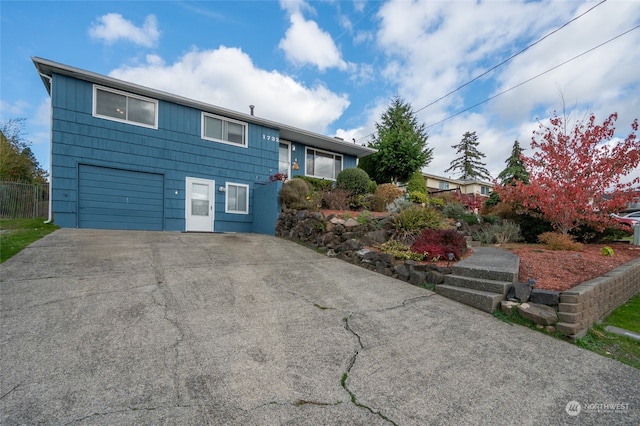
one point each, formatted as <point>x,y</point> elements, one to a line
<point>226,198</point>
<point>127,95</point>
<point>225,120</point>
<point>306,153</point>
<point>281,141</point>
<point>443,185</point>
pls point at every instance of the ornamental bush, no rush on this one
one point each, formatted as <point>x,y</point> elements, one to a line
<point>417,183</point>
<point>388,192</point>
<point>411,221</point>
<point>295,194</point>
<point>354,179</point>
<point>558,241</point>
<point>436,244</point>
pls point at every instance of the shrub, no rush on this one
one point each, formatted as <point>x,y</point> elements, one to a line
<point>400,251</point>
<point>469,218</point>
<point>388,192</point>
<point>436,244</point>
<point>454,210</point>
<point>557,241</point>
<point>295,194</point>
<point>358,202</point>
<point>338,199</point>
<point>317,184</point>
<point>354,179</point>
<point>507,232</point>
<point>376,203</point>
<point>411,221</point>
<point>418,197</point>
<point>437,202</point>
<point>372,187</point>
<point>485,235</point>
<point>417,183</point>
<point>606,251</point>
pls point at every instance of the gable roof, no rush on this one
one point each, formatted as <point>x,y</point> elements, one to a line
<point>47,68</point>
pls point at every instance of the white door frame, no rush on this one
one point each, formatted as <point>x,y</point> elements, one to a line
<point>284,142</point>
<point>199,223</point>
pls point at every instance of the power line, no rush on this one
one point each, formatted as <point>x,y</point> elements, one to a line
<point>509,58</point>
<point>533,78</point>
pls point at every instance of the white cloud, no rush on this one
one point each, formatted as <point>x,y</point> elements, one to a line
<point>13,109</point>
<point>227,77</point>
<point>305,43</point>
<point>112,27</point>
<point>431,48</point>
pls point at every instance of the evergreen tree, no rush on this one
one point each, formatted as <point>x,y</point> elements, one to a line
<point>401,143</point>
<point>515,170</point>
<point>469,164</point>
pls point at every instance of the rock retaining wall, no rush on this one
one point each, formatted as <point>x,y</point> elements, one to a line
<point>352,241</point>
<point>583,305</point>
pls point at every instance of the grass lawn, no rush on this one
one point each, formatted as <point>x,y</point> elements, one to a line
<point>16,234</point>
<point>621,348</point>
<point>627,316</point>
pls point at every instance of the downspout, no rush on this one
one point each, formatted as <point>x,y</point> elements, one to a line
<point>50,216</point>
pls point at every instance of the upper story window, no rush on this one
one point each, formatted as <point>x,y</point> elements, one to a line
<point>484,190</point>
<point>224,130</point>
<point>323,164</point>
<point>125,107</point>
<point>443,185</point>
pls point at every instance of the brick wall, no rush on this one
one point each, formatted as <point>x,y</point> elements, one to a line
<point>589,302</point>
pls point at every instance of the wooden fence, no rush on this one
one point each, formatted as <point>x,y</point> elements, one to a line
<point>23,200</point>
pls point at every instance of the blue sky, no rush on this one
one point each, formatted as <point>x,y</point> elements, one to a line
<point>332,66</point>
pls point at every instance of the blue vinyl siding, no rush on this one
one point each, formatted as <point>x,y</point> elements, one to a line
<point>119,199</point>
<point>174,151</point>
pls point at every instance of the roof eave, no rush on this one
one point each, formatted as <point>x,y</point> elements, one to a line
<point>46,67</point>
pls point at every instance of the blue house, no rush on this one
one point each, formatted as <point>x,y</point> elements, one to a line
<point>124,156</point>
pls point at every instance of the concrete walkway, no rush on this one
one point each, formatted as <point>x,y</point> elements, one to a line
<point>113,327</point>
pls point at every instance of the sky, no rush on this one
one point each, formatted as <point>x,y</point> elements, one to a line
<point>333,66</point>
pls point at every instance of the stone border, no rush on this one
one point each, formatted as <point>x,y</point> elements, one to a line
<point>589,302</point>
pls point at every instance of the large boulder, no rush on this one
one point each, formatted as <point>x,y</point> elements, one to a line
<point>540,314</point>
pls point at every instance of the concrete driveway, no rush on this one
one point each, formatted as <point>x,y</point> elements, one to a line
<point>114,327</point>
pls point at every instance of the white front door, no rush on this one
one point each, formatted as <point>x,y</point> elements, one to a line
<point>199,205</point>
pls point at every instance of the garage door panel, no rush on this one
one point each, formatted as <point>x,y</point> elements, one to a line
<point>120,199</point>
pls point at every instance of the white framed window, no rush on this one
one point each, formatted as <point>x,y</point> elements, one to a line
<point>284,158</point>
<point>124,107</point>
<point>225,130</point>
<point>323,164</point>
<point>237,198</point>
<point>484,190</point>
<point>443,185</point>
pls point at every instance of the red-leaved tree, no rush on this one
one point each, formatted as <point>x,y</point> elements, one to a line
<point>576,174</point>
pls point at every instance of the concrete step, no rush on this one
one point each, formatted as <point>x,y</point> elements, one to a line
<point>491,286</point>
<point>489,263</point>
<point>482,300</point>
<point>486,273</point>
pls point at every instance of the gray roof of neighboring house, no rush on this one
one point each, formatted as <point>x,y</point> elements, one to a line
<point>48,68</point>
<point>458,181</point>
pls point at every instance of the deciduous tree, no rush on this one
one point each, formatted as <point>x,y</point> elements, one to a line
<point>17,162</point>
<point>575,175</point>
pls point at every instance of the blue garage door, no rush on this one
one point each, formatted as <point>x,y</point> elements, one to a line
<point>119,199</point>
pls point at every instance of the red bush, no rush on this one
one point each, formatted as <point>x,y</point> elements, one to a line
<point>438,243</point>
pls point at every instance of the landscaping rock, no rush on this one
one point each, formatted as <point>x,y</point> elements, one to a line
<point>351,223</point>
<point>417,277</point>
<point>375,238</point>
<point>540,314</point>
<point>522,291</point>
<point>402,271</point>
<point>435,277</point>
<point>508,306</point>
<point>545,297</point>
<point>350,245</point>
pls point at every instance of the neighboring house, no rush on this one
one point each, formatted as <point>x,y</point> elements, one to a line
<point>437,184</point>
<point>124,156</point>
